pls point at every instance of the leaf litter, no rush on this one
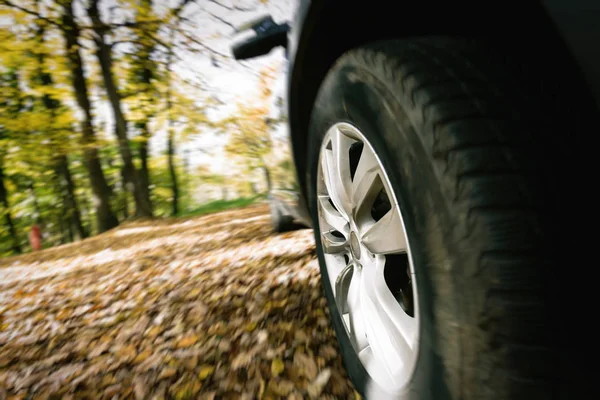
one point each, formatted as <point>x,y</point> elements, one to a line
<point>213,307</point>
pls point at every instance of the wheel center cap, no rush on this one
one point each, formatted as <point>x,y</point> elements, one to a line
<point>354,245</point>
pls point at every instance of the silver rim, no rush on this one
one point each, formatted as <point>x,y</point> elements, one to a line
<point>367,256</point>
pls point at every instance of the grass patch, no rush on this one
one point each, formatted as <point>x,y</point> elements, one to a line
<point>221,205</point>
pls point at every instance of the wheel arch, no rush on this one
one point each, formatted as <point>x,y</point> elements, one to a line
<point>330,28</point>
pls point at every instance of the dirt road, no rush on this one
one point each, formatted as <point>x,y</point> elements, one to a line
<point>209,307</point>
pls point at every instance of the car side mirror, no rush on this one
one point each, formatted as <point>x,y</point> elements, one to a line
<point>267,35</point>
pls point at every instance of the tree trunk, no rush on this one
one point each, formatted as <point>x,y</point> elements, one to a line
<point>103,53</point>
<point>84,207</point>
<point>144,173</point>
<point>171,134</point>
<point>172,170</point>
<point>61,162</point>
<point>267,178</point>
<point>145,74</point>
<point>16,247</point>
<point>123,196</point>
<point>69,225</point>
<point>105,219</point>
<point>68,187</point>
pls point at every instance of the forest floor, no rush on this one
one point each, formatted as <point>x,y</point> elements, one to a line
<point>215,306</point>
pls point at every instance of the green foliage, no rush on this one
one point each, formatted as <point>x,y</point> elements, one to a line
<point>221,205</point>
<point>49,138</point>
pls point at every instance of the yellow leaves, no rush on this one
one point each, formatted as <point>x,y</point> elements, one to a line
<point>280,387</point>
<point>242,360</point>
<point>205,371</point>
<point>143,356</point>
<point>154,331</point>
<point>167,372</point>
<point>128,352</point>
<point>188,390</point>
<point>153,351</point>
<point>63,314</point>
<point>306,365</point>
<point>251,326</point>
<point>193,294</point>
<point>218,329</point>
<point>187,341</point>
<point>277,367</point>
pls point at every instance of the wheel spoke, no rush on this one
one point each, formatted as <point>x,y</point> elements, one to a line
<point>386,236</point>
<point>332,216</point>
<point>366,183</point>
<point>342,284</point>
<point>356,318</point>
<point>332,244</point>
<point>390,331</point>
<point>368,359</point>
<point>336,171</point>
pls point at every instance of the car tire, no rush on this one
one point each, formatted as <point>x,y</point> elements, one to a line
<point>451,126</point>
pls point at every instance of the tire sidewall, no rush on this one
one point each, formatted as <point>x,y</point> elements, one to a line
<point>353,95</point>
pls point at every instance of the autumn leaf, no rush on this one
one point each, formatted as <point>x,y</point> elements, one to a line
<point>251,326</point>
<point>143,356</point>
<point>167,373</point>
<point>277,367</point>
<point>205,371</point>
<point>305,364</point>
<point>315,388</point>
<point>142,335</point>
<point>187,341</point>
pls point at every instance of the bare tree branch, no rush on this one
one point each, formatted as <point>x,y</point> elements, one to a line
<point>237,8</point>
<point>177,10</point>
<point>221,19</point>
<point>30,12</point>
<point>204,46</point>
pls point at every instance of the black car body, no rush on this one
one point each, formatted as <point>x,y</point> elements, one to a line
<point>568,31</point>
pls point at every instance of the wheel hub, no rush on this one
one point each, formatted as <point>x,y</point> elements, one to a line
<point>363,238</point>
<point>354,245</point>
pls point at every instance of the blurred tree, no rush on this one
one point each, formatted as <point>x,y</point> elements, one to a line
<point>248,129</point>
<point>105,219</point>
<point>61,63</point>
<point>6,211</point>
<point>49,104</point>
<point>103,53</point>
<point>209,178</point>
<point>141,87</point>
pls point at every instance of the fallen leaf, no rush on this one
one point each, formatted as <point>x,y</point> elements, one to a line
<point>167,372</point>
<point>277,367</point>
<point>316,387</point>
<point>301,336</point>
<point>305,364</point>
<point>224,345</point>
<point>205,371</point>
<point>112,390</point>
<point>187,341</point>
<point>280,387</point>
<point>143,356</point>
<point>139,388</point>
<point>241,360</point>
<point>127,353</point>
